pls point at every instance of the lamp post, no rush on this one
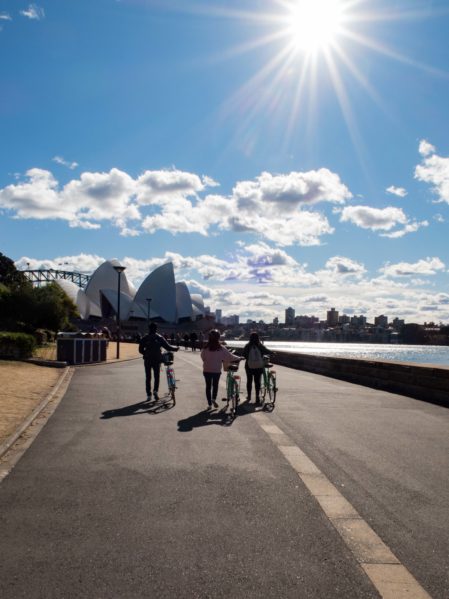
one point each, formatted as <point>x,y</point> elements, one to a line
<point>149,305</point>
<point>118,269</point>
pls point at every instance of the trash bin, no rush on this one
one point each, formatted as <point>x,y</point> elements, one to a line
<point>76,348</point>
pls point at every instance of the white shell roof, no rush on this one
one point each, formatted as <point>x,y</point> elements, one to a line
<point>160,287</point>
<point>169,300</point>
<point>126,303</point>
<point>183,301</point>
<point>105,277</point>
<point>198,303</point>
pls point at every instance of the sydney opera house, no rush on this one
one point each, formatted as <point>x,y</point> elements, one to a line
<point>159,297</point>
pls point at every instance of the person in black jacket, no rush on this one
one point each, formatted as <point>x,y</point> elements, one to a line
<point>150,347</point>
<point>253,352</point>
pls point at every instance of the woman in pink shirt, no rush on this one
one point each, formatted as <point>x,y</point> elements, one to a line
<point>213,356</point>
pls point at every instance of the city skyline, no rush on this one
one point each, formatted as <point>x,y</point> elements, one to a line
<point>273,163</point>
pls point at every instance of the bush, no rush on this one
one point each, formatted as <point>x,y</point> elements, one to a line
<point>51,335</point>
<point>41,336</point>
<point>16,345</point>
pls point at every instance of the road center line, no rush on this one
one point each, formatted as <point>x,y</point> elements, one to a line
<point>390,578</point>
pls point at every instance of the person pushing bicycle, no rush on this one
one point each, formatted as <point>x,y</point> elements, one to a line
<point>150,347</point>
<point>253,352</point>
<point>213,355</point>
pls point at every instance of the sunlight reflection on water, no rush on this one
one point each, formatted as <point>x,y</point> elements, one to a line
<point>418,354</point>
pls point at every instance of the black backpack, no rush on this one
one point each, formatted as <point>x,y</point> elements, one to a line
<point>151,348</point>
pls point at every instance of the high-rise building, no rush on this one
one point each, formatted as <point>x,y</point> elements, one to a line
<point>332,317</point>
<point>290,316</point>
<point>381,321</point>
<point>218,314</point>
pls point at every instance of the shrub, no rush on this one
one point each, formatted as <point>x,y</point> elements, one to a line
<point>16,345</point>
<point>41,336</point>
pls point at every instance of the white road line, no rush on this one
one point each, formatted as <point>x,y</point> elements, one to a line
<point>390,578</point>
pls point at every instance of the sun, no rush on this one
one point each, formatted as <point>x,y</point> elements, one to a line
<point>314,25</point>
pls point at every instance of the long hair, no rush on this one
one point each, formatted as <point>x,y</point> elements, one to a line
<point>213,342</point>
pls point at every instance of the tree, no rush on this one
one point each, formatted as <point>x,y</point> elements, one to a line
<point>413,334</point>
<point>26,308</point>
<point>53,308</point>
<point>9,275</point>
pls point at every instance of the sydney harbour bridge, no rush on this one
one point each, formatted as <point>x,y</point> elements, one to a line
<point>41,276</point>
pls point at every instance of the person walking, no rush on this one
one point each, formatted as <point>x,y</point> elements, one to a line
<point>150,347</point>
<point>253,352</point>
<point>193,340</point>
<point>186,340</point>
<point>213,355</point>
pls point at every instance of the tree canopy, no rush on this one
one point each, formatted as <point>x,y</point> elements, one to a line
<point>27,308</point>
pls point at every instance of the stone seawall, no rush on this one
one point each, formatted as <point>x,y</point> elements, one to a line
<point>429,383</point>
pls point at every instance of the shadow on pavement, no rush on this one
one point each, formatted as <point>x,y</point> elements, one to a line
<point>162,404</point>
<point>210,417</point>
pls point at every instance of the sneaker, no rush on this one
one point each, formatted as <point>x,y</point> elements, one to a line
<point>258,402</point>
<point>149,398</point>
<point>214,403</point>
<point>155,395</point>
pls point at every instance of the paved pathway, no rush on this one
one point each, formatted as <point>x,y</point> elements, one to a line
<point>341,492</point>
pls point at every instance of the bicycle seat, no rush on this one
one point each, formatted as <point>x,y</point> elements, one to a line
<point>233,367</point>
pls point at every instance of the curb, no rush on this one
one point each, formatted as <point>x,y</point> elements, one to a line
<point>50,363</point>
<point>35,413</point>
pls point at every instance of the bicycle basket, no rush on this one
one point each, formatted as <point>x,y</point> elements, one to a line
<point>233,366</point>
<point>167,358</point>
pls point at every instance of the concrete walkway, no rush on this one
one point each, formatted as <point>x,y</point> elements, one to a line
<point>341,492</point>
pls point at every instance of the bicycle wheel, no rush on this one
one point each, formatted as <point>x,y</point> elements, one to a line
<point>171,382</point>
<point>267,395</point>
<point>274,387</point>
<point>234,399</point>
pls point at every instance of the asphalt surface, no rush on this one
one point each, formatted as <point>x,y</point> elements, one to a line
<point>119,498</point>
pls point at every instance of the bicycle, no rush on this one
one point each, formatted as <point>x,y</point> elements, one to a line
<point>167,361</point>
<point>232,398</point>
<point>269,386</point>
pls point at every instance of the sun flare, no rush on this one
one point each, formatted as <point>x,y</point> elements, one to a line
<point>314,25</point>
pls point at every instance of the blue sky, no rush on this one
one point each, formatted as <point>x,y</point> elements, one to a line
<point>278,156</point>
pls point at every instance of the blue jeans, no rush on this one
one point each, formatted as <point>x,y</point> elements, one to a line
<point>211,379</point>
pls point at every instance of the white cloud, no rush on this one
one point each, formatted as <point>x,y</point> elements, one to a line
<point>382,220</point>
<point>271,207</point>
<point>434,169</point>
<point>340,265</point>
<point>397,191</point>
<point>33,12</point>
<point>158,187</point>
<point>291,191</point>
<point>313,294</point>
<point>36,198</point>
<point>426,266</point>
<point>84,263</point>
<point>425,148</point>
<point>409,228</point>
<point>4,16</point>
<point>63,162</point>
<point>374,218</point>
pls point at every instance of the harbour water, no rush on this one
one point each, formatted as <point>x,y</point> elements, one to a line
<point>436,355</point>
